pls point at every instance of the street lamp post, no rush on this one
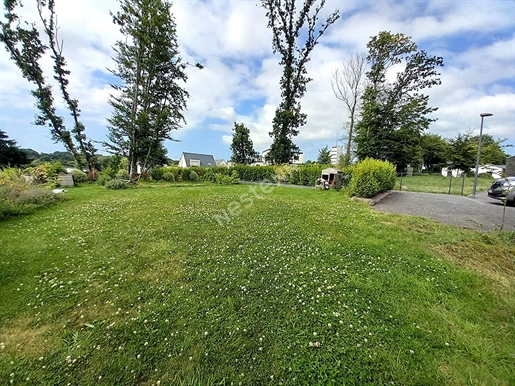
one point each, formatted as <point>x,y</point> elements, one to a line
<point>479,152</point>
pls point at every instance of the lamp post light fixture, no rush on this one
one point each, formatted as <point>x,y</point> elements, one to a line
<point>483,115</point>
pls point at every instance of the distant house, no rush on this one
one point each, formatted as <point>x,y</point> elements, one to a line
<point>221,162</point>
<point>193,159</point>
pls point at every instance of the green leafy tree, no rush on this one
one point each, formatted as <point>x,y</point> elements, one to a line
<point>149,104</point>
<point>463,154</point>
<point>394,115</point>
<point>242,147</point>
<point>10,154</point>
<point>435,150</point>
<point>288,27</point>
<point>324,156</point>
<point>27,50</point>
<point>492,152</point>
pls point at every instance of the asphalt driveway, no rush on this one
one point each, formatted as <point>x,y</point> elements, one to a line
<point>480,213</point>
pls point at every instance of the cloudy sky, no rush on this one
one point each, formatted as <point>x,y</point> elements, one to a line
<point>240,79</point>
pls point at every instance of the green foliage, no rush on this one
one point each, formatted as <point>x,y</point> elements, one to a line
<point>255,173</point>
<point>19,197</point>
<point>116,184</point>
<point>103,178</point>
<point>27,51</point>
<point>10,154</point>
<point>371,177</point>
<point>156,173</point>
<point>242,147</point>
<point>492,152</point>
<point>463,156</point>
<point>147,60</point>
<point>114,164</point>
<point>79,176</point>
<point>435,151</point>
<point>168,177</point>
<point>223,179</point>
<point>395,114</point>
<point>185,174</point>
<point>324,156</point>
<point>287,26</point>
<point>122,174</point>
<point>193,176</point>
<point>47,173</point>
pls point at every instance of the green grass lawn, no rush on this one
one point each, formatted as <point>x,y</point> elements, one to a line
<point>222,285</point>
<point>441,184</point>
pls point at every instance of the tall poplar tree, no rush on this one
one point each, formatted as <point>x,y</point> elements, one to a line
<point>27,50</point>
<point>149,103</point>
<point>294,36</point>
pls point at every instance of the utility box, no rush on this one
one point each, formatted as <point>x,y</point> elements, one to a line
<point>331,178</point>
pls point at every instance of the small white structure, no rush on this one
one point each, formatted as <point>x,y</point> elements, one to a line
<point>495,170</point>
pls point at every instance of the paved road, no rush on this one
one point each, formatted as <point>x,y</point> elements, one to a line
<point>481,213</point>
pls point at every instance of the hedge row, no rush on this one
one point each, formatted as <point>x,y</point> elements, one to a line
<point>368,177</point>
<point>291,174</point>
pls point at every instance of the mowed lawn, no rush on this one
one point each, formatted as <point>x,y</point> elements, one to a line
<point>229,285</point>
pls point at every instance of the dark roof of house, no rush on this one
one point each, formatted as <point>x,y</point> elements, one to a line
<point>205,159</point>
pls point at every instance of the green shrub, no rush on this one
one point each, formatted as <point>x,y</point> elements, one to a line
<point>210,173</point>
<point>185,174</point>
<point>103,178</point>
<point>193,176</point>
<point>371,177</point>
<point>114,164</point>
<point>79,176</point>
<point>157,173</point>
<point>18,196</point>
<point>116,184</point>
<point>122,174</point>
<point>46,173</point>
<point>168,176</point>
<point>223,179</point>
<point>486,176</point>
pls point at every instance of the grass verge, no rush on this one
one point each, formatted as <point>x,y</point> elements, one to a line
<point>441,184</point>
<point>296,286</point>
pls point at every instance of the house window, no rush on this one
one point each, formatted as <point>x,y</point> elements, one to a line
<point>194,162</point>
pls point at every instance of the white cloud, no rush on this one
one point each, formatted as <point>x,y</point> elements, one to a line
<point>240,79</point>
